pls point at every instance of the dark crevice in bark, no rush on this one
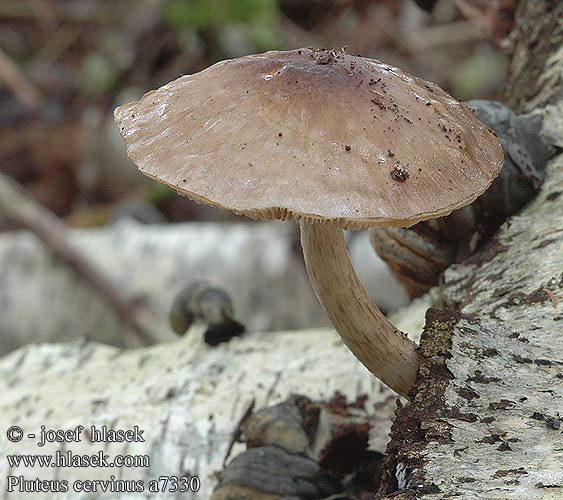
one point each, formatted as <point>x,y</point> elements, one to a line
<point>418,422</point>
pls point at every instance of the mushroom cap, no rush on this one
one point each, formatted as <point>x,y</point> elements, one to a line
<point>316,134</point>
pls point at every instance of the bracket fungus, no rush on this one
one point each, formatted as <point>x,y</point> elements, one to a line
<point>336,141</point>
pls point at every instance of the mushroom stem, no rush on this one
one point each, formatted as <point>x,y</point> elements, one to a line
<point>383,349</point>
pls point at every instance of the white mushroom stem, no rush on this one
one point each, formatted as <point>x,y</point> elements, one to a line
<point>383,349</point>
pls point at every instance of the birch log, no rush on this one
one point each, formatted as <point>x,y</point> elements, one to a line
<point>184,395</point>
<point>42,300</point>
<point>485,421</point>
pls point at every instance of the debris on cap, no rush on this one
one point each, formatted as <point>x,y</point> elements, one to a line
<point>399,172</point>
<point>215,137</point>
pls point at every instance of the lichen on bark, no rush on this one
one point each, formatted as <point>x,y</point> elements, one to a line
<point>484,420</point>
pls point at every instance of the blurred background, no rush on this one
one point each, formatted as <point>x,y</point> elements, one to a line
<point>64,67</point>
<point>66,64</point>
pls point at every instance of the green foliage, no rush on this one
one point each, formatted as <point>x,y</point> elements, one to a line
<point>157,193</point>
<point>259,17</point>
<point>476,74</point>
<point>98,73</point>
<point>196,14</point>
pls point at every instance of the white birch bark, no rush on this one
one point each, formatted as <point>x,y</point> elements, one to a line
<point>488,410</point>
<point>186,396</point>
<point>42,300</point>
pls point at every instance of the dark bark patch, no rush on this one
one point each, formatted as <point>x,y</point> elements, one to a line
<point>554,195</point>
<point>499,292</point>
<point>544,243</point>
<point>466,479</point>
<point>512,481</point>
<point>553,423</point>
<point>543,362</point>
<point>423,420</point>
<point>504,447</point>
<point>496,277</point>
<point>489,352</point>
<point>505,472</point>
<point>492,439</point>
<point>517,336</point>
<point>518,299</point>
<point>459,415</point>
<point>543,485</point>
<point>482,379</point>
<point>503,404</point>
<point>467,393</point>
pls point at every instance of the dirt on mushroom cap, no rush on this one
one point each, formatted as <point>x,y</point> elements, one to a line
<point>308,133</point>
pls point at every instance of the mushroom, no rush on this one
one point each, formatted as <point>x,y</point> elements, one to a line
<point>336,141</point>
<point>418,255</point>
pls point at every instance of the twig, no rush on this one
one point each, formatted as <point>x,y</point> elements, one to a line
<point>551,295</point>
<point>44,15</point>
<point>482,15</point>
<point>19,208</point>
<point>17,82</point>
<point>56,45</point>
<point>237,433</point>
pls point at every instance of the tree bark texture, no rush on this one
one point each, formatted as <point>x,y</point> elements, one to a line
<point>487,410</point>
<point>186,396</point>
<point>535,78</point>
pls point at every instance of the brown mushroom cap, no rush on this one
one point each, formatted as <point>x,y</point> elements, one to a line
<point>316,134</point>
